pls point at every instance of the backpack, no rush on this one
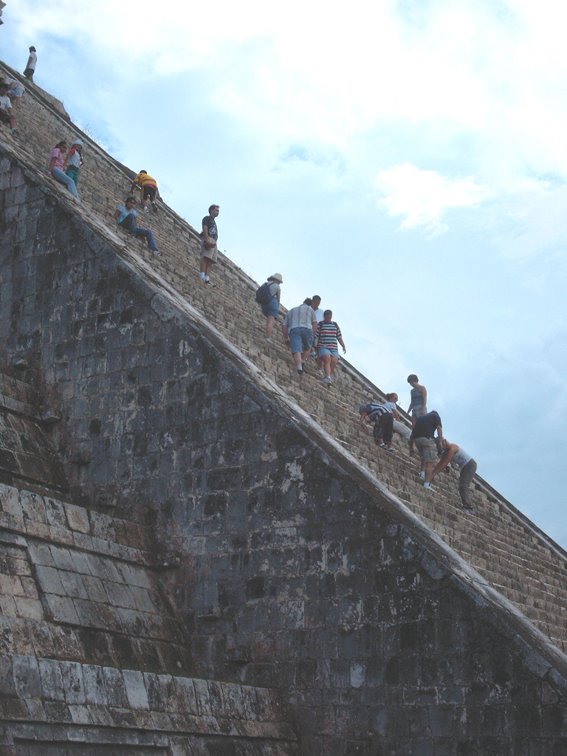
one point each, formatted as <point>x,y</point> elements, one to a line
<point>263,295</point>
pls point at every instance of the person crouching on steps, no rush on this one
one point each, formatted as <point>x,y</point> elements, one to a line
<point>148,190</point>
<point>125,217</point>
<point>382,415</point>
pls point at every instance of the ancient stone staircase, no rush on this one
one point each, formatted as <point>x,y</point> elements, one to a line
<point>501,544</point>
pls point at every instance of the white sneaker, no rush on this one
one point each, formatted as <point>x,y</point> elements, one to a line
<point>421,475</point>
<point>428,486</point>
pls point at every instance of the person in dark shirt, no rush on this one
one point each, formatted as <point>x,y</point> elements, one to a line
<point>209,238</point>
<point>423,438</point>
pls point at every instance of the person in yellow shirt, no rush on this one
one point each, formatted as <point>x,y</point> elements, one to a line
<point>148,189</point>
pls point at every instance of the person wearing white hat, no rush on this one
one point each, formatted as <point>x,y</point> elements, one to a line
<point>74,160</point>
<point>268,297</point>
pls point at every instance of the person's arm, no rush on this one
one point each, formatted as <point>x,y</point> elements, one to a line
<point>446,457</point>
<point>314,324</point>
<point>116,214</point>
<point>340,339</point>
<point>440,433</point>
<point>363,418</point>
<point>396,414</point>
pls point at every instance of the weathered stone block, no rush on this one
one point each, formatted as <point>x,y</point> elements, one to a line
<point>135,689</point>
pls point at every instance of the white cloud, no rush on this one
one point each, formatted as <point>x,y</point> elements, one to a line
<point>423,197</point>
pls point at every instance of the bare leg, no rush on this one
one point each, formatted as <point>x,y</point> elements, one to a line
<point>297,361</point>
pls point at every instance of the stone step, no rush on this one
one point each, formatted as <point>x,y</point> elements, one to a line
<point>188,715</point>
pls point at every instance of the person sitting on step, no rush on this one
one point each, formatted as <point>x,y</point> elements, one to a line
<point>125,217</point>
<point>6,110</point>
<point>57,166</point>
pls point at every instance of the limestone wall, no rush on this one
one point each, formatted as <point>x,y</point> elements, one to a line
<point>295,567</point>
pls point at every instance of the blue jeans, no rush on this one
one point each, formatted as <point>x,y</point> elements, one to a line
<point>129,224</point>
<point>58,175</point>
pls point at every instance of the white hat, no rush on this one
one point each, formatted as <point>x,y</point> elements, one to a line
<point>77,141</point>
<point>276,277</point>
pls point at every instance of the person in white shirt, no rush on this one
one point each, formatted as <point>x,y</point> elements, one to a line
<point>6,114</point>
<point>31,64</point>
<point>466,464</point>
<point>300,327</point>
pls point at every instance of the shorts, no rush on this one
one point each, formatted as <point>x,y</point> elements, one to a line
<point>4,116</point>
<point>271,308</point>
<point>418,412</point>
<point>300,339</point>
<point>149,192</point>
<point>427,449</point>
<point>210,254</point>
<point>29,72</point>
<point>324,351</point>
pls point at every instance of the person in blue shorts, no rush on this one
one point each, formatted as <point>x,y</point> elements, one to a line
<point>329,337</point>
<point>300,327</point>
<point>271,309</point>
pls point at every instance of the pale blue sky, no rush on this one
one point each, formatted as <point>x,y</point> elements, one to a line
<point>406,160</point>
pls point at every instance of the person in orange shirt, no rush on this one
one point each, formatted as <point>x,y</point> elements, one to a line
<point>148,189</point>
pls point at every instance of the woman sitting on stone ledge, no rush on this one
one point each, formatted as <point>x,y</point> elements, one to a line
<point>57,166</point>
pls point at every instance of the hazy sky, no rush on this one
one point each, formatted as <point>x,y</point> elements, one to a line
<point>407,160</point>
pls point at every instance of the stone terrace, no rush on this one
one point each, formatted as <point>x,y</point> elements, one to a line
<point>499,542</point>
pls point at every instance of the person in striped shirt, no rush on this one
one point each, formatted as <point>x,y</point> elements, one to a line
<point>329,337</point>
<point>382,415</point>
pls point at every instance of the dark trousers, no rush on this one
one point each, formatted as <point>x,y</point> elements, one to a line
<point>384,428</point>
<point>465,479</point>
